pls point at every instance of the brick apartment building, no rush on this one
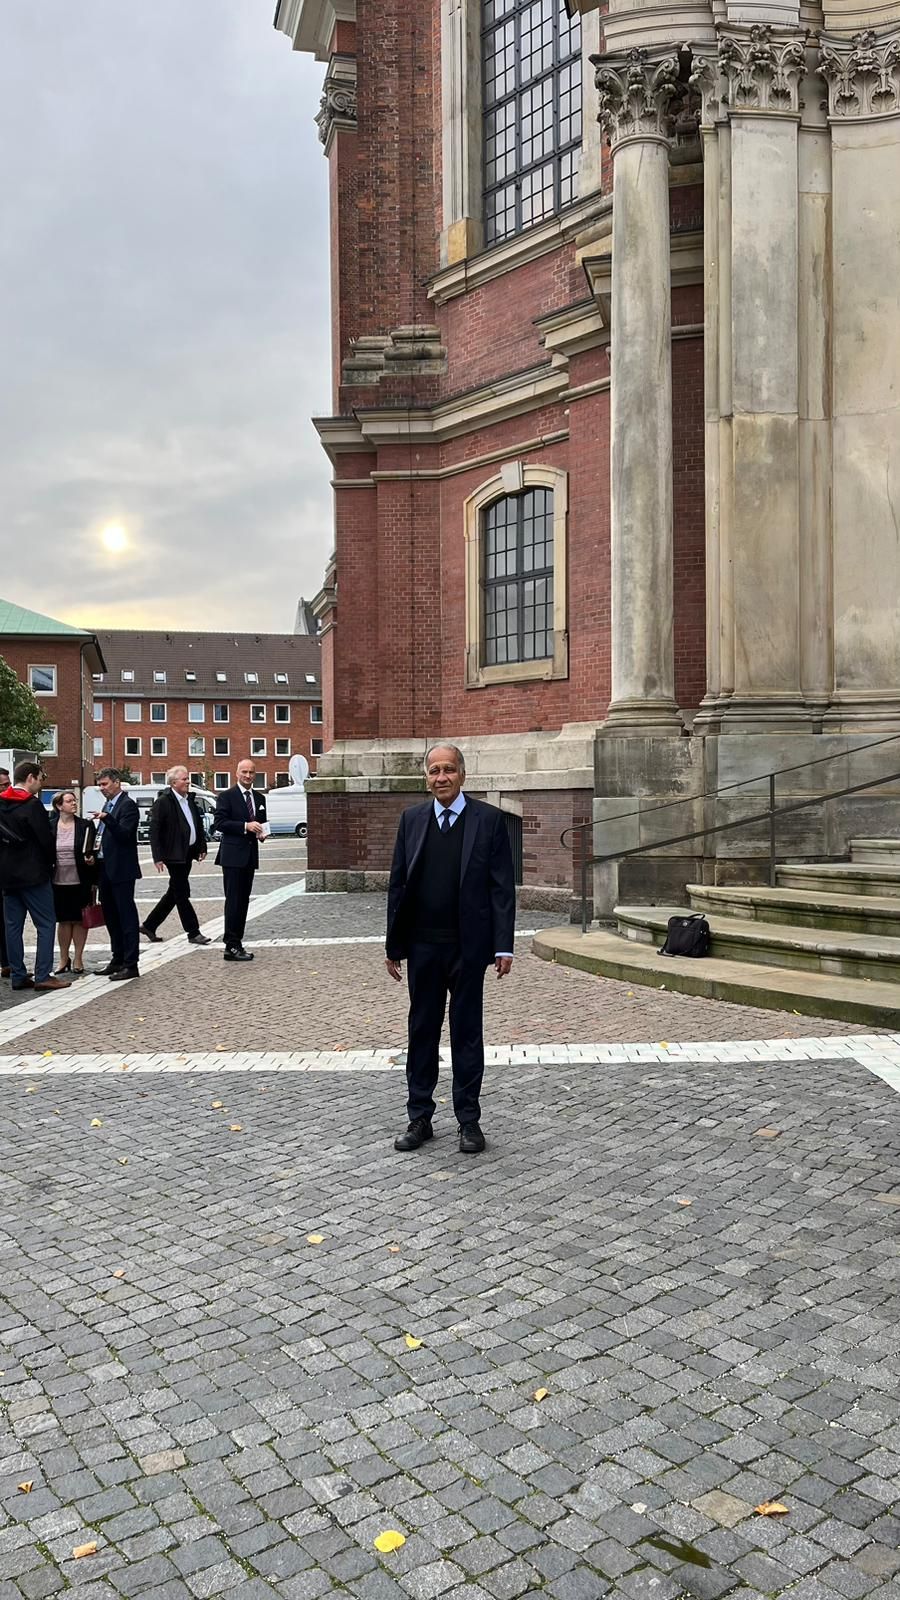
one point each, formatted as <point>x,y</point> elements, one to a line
<point>613,420</point>
<point>204,701</point>
<point>57,662</point>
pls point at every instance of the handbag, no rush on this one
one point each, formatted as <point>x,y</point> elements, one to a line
<point>92,915</point>
<point>686,936</point>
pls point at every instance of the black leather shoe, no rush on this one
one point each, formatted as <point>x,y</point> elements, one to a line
<point>22,983</point>
<point>121,973</point>
<point>471,1139</point>
<point>198,938</point>
<point>149,934</point>
<point>239,955</point>
<point>416,1134</point>
<point>108,970</point>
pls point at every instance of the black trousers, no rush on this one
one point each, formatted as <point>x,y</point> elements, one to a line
<point>176,898</point>
<point>120,911</point>
<point>434,972</point>
<point>238,887</point>
<point>4,954</point>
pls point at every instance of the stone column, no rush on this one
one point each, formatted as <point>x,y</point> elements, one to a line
<point>635,89</point>
<point>863,76</point>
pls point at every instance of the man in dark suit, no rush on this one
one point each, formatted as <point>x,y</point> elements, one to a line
<point>177,840</point>
<point>241,823</point>
<point>117,831</point>
<point>451,914</point>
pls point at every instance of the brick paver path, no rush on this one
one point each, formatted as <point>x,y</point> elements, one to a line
<point>697,1264</point>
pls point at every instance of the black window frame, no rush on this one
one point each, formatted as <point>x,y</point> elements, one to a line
<point>522,576</point>
<point>520,170</point>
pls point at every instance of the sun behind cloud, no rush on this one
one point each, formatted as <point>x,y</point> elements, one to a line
<point>115,538</point>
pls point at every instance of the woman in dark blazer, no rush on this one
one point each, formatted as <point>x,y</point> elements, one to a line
<point>73,878</point>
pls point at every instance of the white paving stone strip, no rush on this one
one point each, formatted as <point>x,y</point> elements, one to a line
<point>878,1053</point>
<point>47,1008</point>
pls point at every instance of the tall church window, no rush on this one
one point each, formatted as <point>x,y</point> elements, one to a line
<point>517,541</point>
<point>531,65</point>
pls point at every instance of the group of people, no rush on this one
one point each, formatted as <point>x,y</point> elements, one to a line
<point>54,865</point>
<point>450,915</point>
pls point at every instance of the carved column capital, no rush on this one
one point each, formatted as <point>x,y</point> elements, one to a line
<point>635,88</point>
<point>756,68</point>
<point>337,107</point>
<point>862,74</point>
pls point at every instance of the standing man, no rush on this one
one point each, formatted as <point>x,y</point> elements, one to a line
<point>241,823</point>
<point>27,859</point>
<point>177,840</point>
<point>117,831</point>
<point>451,913</point>
<point>4,955</point>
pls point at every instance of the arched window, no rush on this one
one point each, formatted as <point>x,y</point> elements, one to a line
<point>515,577</point>
<point>531,84</point>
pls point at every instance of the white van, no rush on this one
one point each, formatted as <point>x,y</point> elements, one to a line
<point>144,795</point>
<point>286,810</point>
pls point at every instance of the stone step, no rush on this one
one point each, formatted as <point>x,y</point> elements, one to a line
<point>802,908</point>
<point>747,983</point>
<point>871,850</point>
<point>822,950</point>
<point>842,877</point>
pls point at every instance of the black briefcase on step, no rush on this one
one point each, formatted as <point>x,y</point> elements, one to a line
<point>686,936</point>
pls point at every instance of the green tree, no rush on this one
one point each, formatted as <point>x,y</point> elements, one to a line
<point>23,725</point>
<point>126,774</point>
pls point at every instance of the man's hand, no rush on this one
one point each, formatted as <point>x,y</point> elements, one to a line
<point>160,866</point>
<point>503,965</point>
<point>395,969</point>
<point>253,827</point>
<point>202,857</point>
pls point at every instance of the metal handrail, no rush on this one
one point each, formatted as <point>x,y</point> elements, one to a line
<point>770,814</point>
<point>711,794</point>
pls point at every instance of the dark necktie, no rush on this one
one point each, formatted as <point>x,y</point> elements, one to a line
<point>444,820</point>
<point>249,800</point>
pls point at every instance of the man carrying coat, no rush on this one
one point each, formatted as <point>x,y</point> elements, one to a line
<point>177,840</point>
<point>240,823</point>
<point>451,914</point>
<point>117,831</point>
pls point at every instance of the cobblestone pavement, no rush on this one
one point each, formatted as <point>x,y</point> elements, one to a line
<point>206,1374</point>
<point>207,1280</point>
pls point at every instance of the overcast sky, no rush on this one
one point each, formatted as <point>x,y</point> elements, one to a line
<point>163,314</point>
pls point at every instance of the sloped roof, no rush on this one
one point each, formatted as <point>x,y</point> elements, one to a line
<point>203,656</point>
<point>30,624</point>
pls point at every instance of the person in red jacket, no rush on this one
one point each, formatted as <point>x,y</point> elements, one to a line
<point>27,859</point>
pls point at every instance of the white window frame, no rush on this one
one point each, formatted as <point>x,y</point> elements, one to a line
<point>194,706</point>
<point>134,739</point>
<point>132,706</point>
<point>251,677</point>
<point>282,747</point>
<point>220,739</point>
<point>219,787</point>
<point>221,677</point>
<point>98,747</point>
<point>159,739</point>
<point>261,781</point>
<point>42,666</point>
<point>195,779</point>
<point>159,674</point>
<point>316,721</point>
<point>128,674</point>
<point>221,705</point>
<point>312,747</point>
<point>196,740</point>
<point>281,678</point>
<point>282,706</point>
<point>258,712</point>
<point>159,705</point>
<point>190,675</point>
<point>514,478</point>
<point>262,751</point>
<point>52,735</point>
<point>98,710</point>
<point>158,778</point>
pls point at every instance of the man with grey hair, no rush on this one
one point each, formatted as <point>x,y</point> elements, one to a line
<point>451,914</point>
<point>177,840</point>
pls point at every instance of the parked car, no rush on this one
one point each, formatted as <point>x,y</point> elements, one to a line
<point>145,793</point>
<point>286,810</point>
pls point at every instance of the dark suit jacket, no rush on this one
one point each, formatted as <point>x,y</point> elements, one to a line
<point>237,847</point>
<point>85,833</point>
<point>118,844</point>
<point>169,833</point>
<point>487,890</point>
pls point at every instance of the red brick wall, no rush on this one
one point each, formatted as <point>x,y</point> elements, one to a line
<point>69,708</point>
<point>114,730</point>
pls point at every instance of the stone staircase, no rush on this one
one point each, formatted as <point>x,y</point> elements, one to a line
<point>825,941</point>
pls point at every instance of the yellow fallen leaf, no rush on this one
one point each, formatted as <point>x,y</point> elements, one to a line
<point>235,1127</point>
<point>47,1052</point>
<point>217,1105</point>
<point>389,1540</point>
<point>26,1486</point>
<point>393,1249</point>
<point>315,1238</point>
<point>663,1044</point>
<point>682,1200</point>
<point>56,1113</point>
<point>772,1508</point>
<point>89,1549</point>
<point>122,1160</point>
<point>32,1088</point>
<point>119,1272</point>
<point>540,1394</point>
<point>124,1067</point>
<point>96,1122</point>
<point>411,1343</point>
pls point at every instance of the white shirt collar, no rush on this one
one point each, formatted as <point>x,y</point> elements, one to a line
<point>457,806</point>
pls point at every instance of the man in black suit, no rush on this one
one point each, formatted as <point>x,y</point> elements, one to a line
<point>177,840</point>
<point>241,823</point>
<point>117,831</point>
<point>451,914</point>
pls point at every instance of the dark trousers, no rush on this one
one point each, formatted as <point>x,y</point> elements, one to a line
<point>176,898</point>
<point>238,887</point>
<point>4,954</point>
<point>434,971</point>
<point>120,911</point>
<point>36,903</point>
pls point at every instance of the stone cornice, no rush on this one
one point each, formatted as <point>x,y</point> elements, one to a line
<point>337,107</point>
<point>635,89</point>
<point>310,24</point>
<point>754,69</point>
<point>472,272</point>
<point>862,74</point>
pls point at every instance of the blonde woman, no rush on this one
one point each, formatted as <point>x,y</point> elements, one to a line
<point>73,878</point>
